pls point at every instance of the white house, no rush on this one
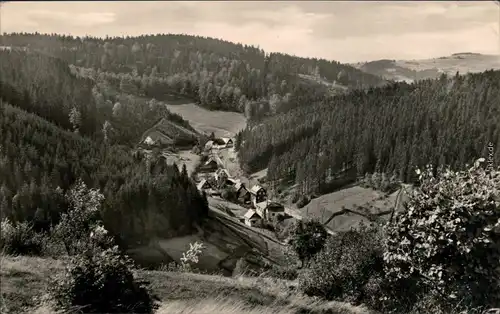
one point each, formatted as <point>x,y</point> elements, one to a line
<point>252,219</point>
<point>258,194</point>
<point>269,210</point>
<point>209,145</point>
<point>149,141</point>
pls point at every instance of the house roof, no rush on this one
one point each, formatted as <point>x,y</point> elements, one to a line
<point>221,170</point>
<point>255,189</point>
<point>157,136</point>
<point>200,185</point>
<point>250,214</point>
<point>226,140</point>
<point>239,185</point>
<point>210,160</point>
<point>274,206</point>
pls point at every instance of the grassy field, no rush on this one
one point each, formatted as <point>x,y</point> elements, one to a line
<point>222,123</point>
<point>24,282</point>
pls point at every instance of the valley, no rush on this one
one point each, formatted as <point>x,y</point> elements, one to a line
<point>226,178</point>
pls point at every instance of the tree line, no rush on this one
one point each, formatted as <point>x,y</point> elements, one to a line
<point>216,73</point>
<point>77,100</point>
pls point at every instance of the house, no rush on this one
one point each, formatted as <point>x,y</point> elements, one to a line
<point>209,145</point>
<point>258,194</point>
<point>252,219</point>
<point>204,185</point>
<point>209,165</point>
<point>242,193</point>
<point>218,142</point>
<point>269,210</point>
<point>156,138</point>
<point>228,142</point>
<point>222,174</point>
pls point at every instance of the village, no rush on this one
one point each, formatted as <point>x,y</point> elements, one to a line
<point>216,181</point>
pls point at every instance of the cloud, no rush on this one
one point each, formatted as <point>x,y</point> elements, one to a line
<point>86,19</point>
<point>343,31</point>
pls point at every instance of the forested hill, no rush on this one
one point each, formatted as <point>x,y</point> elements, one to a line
<point>39,162</point>
<point>391,129</point>
<point>217,74</point>
<point>73,100</point>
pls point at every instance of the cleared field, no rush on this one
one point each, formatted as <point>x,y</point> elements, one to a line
<point>458,62</point>
<point>222,123</point>
<point>24,281</point>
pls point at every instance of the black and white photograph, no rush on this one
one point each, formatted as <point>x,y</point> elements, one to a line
<point>250,157</point>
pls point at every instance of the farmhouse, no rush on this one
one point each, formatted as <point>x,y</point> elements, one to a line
<point>270,210</point>
<point>218,142</point>
<point>227,142</point>
<point>209,145</point>
<point>209,165</point>
<point>258,194</point>
<point>204,185</point>
<point>252,219</point>
<point>156,138</point>
<point>221,174</point>
<point>242,193</point>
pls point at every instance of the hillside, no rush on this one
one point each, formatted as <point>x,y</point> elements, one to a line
<point>391,129</point>
<point>75,100</point>
<point>215,73</point>
<point>40,161</point>
<point>411,70</point>
<point>24,281</point>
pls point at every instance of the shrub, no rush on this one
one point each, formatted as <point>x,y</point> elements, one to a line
<point>191,256</point>
<point>241,267</point>
<point>102,283</point>
<point>80,229</point>
<point>307,239</point>
<point>449,237</point>
<point>303,201</point>
<point>349,268</point>
<point>20,239</point>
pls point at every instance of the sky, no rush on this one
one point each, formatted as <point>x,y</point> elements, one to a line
<point>349,31</point>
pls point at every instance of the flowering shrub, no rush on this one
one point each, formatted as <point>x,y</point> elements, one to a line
<point>191,256</point>
<point>80,228</point>
<point>102,283</point>
<point>449,236</point>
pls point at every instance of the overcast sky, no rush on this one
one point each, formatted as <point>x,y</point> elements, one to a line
<point>343,31</point>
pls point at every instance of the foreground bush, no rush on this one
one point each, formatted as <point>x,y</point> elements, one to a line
<point>349,268</point>
<point>449,238</point>
<point>307,238</point>
<point>20,239</point>
<point>102,283</point>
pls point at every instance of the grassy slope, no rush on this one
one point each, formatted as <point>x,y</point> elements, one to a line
<point>450,65</point>
<point>324,206</point>
<point>24,281</point>
<point>222,123</point>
